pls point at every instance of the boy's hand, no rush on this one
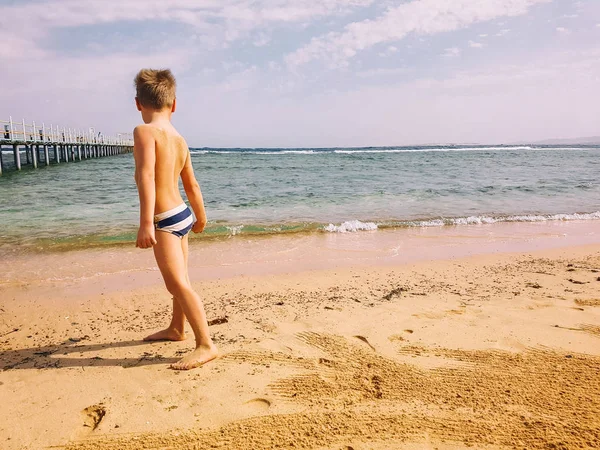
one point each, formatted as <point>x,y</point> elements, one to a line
<point>145,237</point>
<point>199,226</point>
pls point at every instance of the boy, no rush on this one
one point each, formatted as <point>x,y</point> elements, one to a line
<point>161,157</point>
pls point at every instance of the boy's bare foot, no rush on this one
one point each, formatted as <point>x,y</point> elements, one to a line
<point>167,334</point>
<point>197,358</point>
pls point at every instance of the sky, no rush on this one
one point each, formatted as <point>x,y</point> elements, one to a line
<point>311,73</point>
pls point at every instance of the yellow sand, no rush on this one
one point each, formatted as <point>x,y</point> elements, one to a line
<point>495,351</point>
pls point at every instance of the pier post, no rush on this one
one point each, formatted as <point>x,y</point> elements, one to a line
<point>1,162</point>
<point>46,155</point>
<point>17,155</point>
<point>27,161</point>
<point>34,157</point>
<point>66,149</point>
<point>57,153</point>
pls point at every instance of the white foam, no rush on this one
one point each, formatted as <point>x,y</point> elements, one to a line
<point>351,227</point>
<point>235,229</point>
<point>434,149</point>
<point>350,151</point>
<point>286,152</point>
<point>482,220</point>
<point>273,152</point>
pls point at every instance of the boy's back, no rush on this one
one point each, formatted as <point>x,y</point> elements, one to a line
<point>171,154</point>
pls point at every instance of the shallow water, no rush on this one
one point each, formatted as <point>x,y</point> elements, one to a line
<point>266,191</point>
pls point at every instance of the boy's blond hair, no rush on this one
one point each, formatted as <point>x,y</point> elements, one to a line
<point>155,88</point>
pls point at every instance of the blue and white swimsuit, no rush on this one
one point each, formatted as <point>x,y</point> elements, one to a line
<point>178,221</point>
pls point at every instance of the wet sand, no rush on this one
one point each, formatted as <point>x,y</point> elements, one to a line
<point>484,337</point>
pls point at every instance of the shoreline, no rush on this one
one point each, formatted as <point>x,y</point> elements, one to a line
<point>324,346</point>
<point>223,230</point>
<point>93,271</point>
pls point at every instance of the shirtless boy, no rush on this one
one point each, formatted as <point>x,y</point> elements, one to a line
<point>161,157</point>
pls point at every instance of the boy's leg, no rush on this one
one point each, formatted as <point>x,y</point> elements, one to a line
<point>169,253</point>
<point>176,329</point>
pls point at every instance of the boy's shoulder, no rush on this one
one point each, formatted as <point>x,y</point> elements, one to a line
<point>145,128</point>
<point>143,132</point>
<point>148,128</point>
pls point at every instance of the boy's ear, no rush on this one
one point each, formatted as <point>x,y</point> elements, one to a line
<point>138,105</point>
<point>174,107</point>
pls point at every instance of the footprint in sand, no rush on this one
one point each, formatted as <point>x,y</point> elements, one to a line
<point>93,415</point>
<point>258,404</point>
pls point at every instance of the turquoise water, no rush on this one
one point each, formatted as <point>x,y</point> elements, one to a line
<point>323,190</point>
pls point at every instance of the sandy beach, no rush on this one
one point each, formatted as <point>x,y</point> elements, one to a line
<point>446,339</point>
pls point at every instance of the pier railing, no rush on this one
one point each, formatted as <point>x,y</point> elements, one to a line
<point>38,141</point>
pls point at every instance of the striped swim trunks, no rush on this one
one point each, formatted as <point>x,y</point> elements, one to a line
<point>178,221</point>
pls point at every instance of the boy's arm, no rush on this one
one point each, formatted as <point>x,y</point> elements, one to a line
<point>144,154</point>
<point>194,195</point>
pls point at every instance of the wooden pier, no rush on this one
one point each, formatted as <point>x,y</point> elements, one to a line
<point>46,145</point>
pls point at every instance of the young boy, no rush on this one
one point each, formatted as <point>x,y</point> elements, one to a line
<point>161,157</point>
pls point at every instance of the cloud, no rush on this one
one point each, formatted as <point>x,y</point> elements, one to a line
<point>236,87</point>
<point>230,20</point>
<point>70,13</point>
<point>474,105</point>
<point>562,30</point>
<point>451,52</point>
<point>371,73</point>
<point>240,81</point>
<point>261,40</point>
<point>388,51</point>
<point>417,16</point>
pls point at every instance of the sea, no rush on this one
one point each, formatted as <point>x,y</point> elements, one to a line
<point>251,192</point>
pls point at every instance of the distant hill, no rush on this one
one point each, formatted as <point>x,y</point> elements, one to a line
<point>574,141</point>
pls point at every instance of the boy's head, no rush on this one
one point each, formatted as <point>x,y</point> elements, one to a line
<point>155,89</point>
